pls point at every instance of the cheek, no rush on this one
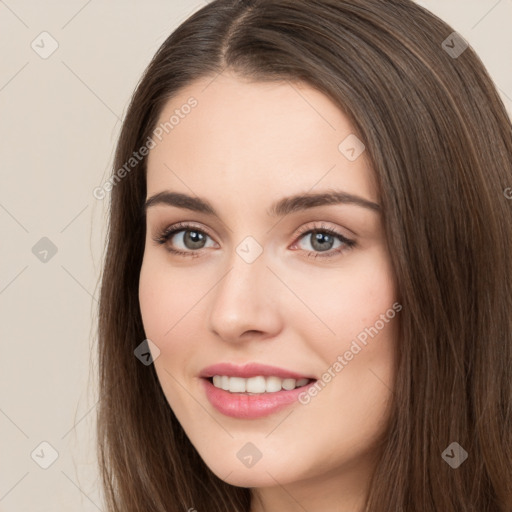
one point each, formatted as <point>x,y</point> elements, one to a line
<point>165,291</point>
<point>170,305</point>
<point>350,299</point>
<point>160,305</point>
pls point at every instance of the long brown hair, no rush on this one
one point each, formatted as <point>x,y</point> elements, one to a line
<point>440,142</point>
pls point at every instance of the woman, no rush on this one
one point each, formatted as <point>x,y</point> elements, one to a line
<point>241,368</point>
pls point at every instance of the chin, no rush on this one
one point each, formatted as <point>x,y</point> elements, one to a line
<point>250,477</point>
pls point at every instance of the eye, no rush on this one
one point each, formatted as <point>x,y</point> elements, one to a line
<point>322,239</point>
<point>187,234</point>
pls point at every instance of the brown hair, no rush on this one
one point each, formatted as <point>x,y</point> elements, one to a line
<point>440,142</point>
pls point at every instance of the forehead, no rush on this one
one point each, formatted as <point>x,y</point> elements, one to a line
<point>254,138</point>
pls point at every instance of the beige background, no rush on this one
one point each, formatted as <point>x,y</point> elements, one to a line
<point>60,117</point>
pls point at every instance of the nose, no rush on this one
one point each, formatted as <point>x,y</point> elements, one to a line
<point>245,303</point>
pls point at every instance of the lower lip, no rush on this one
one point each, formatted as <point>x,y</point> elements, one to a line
<point>240,405</point>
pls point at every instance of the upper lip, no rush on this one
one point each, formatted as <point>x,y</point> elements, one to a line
<point>250,370</point>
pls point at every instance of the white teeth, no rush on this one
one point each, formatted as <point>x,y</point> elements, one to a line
<point>237,384</point>
<point>256,385</point>
<point>273,384</point>
<point>288,384</point>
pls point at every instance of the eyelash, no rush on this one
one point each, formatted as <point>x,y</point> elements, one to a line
<point>169,232</point>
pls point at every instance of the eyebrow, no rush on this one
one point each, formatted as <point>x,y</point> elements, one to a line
<point>278,209</point>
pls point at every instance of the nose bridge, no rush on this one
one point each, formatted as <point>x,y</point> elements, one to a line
<point>247,273</point>
<point>242,300</point>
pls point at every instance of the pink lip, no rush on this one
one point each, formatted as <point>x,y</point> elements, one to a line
<point>242,405</point>
<point>250,370</point>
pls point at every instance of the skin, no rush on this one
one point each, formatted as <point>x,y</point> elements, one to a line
<point>244,146</point>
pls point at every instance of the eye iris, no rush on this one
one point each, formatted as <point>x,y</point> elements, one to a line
<point>195,238</point>
<point>321,239</point>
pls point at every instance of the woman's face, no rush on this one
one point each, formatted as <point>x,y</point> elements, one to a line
<point>256,285</point>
